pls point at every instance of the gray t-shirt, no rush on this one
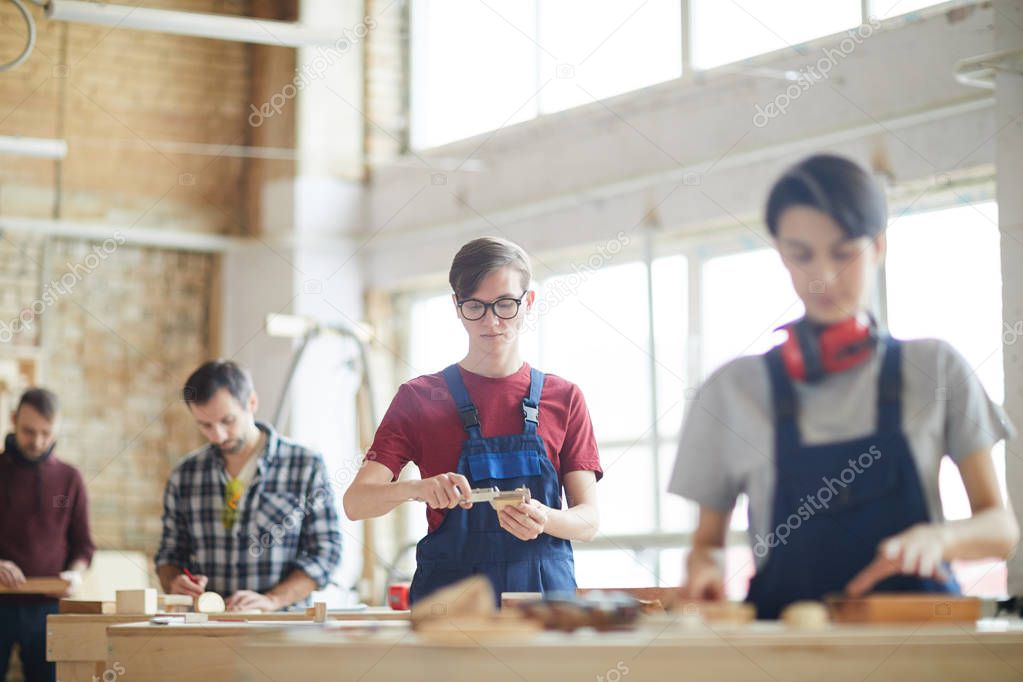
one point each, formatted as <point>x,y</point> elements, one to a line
<point>727,443</point>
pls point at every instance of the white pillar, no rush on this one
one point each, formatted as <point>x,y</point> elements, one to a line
<point>1009,165</point>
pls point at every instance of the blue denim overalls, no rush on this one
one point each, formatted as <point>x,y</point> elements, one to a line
<point>471,541</point>
<point>873,492</point>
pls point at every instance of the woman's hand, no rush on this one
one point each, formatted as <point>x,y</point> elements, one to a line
<point>526,521</point>
<point>917,551</point>
<point>704,578</point>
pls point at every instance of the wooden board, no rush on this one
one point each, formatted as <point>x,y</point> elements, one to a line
<point>89,606</point>
<point>38,586</point>
<point>904,608</point>
<point>755,652</point>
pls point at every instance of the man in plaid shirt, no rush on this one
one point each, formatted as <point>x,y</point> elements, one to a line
<point>251,515</point>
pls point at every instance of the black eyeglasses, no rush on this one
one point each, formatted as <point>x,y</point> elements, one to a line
<point>505,308</point>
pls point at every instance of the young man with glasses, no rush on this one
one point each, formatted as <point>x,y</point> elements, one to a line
<point>488,421</point>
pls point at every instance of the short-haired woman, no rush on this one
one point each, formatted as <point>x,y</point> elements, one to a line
<point>836,435</point>
<point>488,421</point>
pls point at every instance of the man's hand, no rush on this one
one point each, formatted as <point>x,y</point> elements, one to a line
<point>526,521</point>
<point>182,584</point>
<point>10,575</point>
<point>247,600</point>
<point>444,491</point>
<point>74,579</point>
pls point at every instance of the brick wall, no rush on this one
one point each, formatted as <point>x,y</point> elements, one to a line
<point>120,331</point>
<point>118,97</point>
<point>386,77</point>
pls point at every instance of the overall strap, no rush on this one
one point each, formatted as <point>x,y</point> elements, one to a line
<point>468,413</point>
<point>783,399</point>
<point>889,389</point>
<point>531,404</point>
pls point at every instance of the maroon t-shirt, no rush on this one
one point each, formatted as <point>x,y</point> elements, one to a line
<point>44,518</point>
<point>422,424</point>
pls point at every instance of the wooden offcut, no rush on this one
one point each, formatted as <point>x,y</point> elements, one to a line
<point>904,608</point>
<point>209,602</point>
<point>137,601</point>
<point>87,606</point>
<point>472,597</point>
<point>45,585</point>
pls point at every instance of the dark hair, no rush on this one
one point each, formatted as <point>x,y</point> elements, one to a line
<point>834,185</point>
<point>215,375</point>
<point>42,401</point>
<point>479,258</point>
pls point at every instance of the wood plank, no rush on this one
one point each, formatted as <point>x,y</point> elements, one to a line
<point>904,608</point>
<point>43,585</point>
<point>89,606</point>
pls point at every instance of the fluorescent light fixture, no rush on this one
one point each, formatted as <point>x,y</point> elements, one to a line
<point>288,326</point>
<point>39,147</point>
<point>216,26</point>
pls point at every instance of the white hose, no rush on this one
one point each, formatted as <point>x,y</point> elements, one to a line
<point>30,43</point>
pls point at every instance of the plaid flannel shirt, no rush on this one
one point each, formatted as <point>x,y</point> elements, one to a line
<point>287,519</point>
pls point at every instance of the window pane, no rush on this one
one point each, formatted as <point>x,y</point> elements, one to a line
<point>625,494</point>
<point>436,337</point>
<point>614,568</point>
<point>583,58</point>
<point>678,515</point>
<point>724,32</point>
<point>885,9</point>
<point>944,280</point>
<point>745,297</point>
<point>593,331</point>
<point>473,67</point>
<point>671,328</point>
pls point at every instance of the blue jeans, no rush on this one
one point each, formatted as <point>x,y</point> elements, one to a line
<point>25,625</point>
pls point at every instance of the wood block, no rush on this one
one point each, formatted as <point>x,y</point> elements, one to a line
<point>472,597</point>
<point>174,603</point>
<point>904,608</point>
<point>320,612</point>
<point>805,615</point>
<point>45,585</point>
<point>137,601</point>
<point>87,606</point>
<point>510,498</point>
<point>209,602</point>
<point>718,612</point>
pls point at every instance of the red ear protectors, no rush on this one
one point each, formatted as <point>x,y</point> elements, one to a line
<point>810,355</point>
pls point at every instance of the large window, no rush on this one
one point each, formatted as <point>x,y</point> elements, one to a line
<point>594,328</point>
<point>480,65</point>
<point>726,32</point>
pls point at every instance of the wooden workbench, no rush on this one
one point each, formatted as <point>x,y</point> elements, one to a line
<point>665,650</point>
<point>78,643</point>
<point>144,652</point>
